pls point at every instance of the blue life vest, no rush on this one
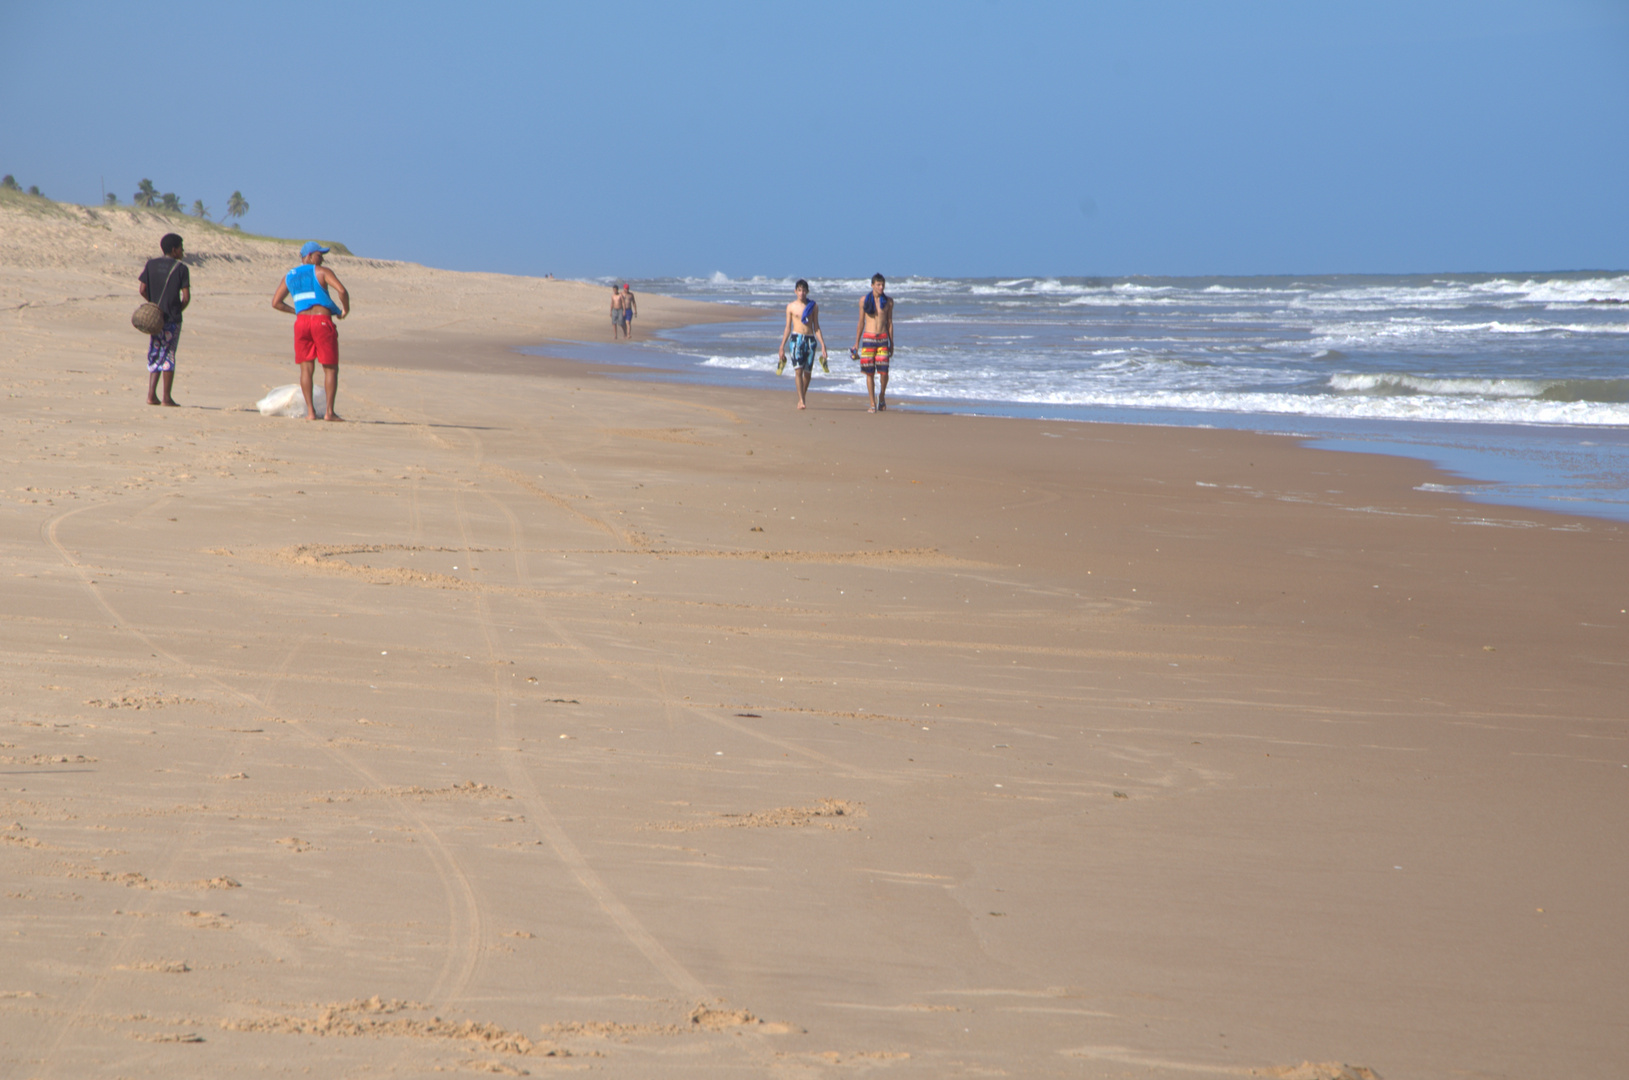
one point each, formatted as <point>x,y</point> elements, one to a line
<point>306,291</point>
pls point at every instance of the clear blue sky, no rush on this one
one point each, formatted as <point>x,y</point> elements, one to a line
<point>945,138</point>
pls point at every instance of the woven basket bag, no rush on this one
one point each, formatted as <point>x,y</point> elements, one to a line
<point>149,317</point>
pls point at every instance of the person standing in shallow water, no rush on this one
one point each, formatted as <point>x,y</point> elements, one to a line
<point>802,332</point>
<point>167,282</point>
<point>874,341</point>
<point>316,340</point>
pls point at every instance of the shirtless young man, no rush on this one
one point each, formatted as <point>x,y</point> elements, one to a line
<point>629,309</point>
<point>313,288</point>
<point>874,341</point>
<point>803,331</point>
<point>617,313</point>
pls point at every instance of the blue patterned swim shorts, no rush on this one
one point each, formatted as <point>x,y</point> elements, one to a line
<point>800,349</point>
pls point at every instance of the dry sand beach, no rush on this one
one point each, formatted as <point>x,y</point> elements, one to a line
<point>537,721</point>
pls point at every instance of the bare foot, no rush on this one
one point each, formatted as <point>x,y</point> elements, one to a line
<point>333,416</point>
<point>801,405</point>
<point>154,401</point>
<point>172,404</point>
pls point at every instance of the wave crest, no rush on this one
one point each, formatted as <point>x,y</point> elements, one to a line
<point>1392,384</point>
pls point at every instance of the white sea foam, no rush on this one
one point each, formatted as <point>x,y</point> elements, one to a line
<point>741,363</point>
<point>765,363</point>
<point>1442,400</point>
<point>1559,291</point>
<point>1439,408</point>
<point>1551,328</point>
<point>1117,299</point>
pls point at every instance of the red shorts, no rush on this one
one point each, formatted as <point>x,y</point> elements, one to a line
<point>315,338</point>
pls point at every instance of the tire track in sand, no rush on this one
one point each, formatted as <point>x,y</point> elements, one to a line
<point>464,920</point>
<point>525,788</point>
<point>538,810</point>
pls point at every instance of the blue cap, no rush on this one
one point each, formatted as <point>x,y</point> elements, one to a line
<point>309,246</point>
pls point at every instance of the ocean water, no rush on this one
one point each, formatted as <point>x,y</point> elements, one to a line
<point>1517,382</point>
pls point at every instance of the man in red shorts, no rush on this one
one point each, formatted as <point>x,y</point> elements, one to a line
<point>312,287</point>
<point>874,341</point>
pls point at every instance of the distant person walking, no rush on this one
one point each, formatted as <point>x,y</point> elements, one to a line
<point>874,341</point>
<point>312,287</point>
<point>619,312</point>
<point>802,333</point>
<point>629,308</point>
<point>167,282</point>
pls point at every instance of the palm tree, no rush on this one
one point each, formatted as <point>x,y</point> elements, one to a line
<point>237,205</point>
<point>199,209</point>
<point>146,194</point>
<point>170,202</point>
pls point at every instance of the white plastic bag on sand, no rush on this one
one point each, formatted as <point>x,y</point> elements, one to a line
<point>289,401</point>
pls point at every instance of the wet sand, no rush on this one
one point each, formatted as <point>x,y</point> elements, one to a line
<point>536,721</point>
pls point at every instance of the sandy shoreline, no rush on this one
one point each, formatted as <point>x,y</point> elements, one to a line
<point>539,721</point>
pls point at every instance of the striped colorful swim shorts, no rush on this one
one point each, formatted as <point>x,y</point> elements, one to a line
<point>875,352</point>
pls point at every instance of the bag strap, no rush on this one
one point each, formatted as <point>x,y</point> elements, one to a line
<point>166,286</point>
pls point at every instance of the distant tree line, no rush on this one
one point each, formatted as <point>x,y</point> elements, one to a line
<point>151,198</point>
<point>9,183</point>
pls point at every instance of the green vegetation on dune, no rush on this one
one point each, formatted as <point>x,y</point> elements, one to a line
<point>13,197</point>
<point>18,198</point>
